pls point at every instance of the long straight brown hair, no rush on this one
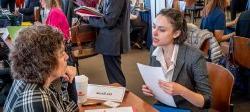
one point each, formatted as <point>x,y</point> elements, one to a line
<point>222,4</point>
<point>53,3</point>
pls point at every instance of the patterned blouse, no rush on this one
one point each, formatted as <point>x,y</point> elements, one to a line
<point>32,97</point>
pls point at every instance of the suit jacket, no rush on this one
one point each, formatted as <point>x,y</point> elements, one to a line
<point>190,71</point>
<point>113,37</point>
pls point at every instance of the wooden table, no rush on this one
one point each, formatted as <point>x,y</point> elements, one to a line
<point>130,99</point>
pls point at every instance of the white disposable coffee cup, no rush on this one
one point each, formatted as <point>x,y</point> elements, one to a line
<point>81,82</point>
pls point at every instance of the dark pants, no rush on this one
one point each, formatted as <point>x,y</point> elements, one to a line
<point>244,77</point>
<point>65,4</point>
<point>113,69</point>
<point>10,3</point>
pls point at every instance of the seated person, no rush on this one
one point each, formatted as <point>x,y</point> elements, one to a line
<point>230,26</point>
<point>138,27</point>
<point>38,59</point>
<point>184,67</point>
<point>27,13</point>
<point>237,6</point>
<point>242,30</point>
<point>243,25</point>
<point>55,17</point>
<point>214,19</point>
<point>5,78</point>
<point>8,3</point>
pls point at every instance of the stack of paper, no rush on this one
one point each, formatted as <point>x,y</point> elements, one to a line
<point>120,109</point>
<point>151,76</point>
<point>87,11</point>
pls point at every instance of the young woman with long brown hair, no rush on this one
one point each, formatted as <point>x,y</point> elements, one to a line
<point>214,19</point>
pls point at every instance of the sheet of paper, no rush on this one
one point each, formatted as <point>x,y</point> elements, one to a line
<point>182,5</point>
<point>151,76</point>
<point>169,4</point>
<point>120,109</point>
<point>4,32</point>
<point>107,93</point>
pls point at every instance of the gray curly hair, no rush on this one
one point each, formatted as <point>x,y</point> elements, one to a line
<point>33,56</point>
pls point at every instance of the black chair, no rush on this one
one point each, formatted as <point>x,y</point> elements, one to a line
<point>136,37</point>
<point>138,29</point>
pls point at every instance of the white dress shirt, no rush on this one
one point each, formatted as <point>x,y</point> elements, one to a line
<point>168,71</point>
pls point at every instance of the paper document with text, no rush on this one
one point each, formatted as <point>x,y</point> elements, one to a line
<point>120,109</point>
<point>151,76</point>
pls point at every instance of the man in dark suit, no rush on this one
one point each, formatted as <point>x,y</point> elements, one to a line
<point>113,38</point>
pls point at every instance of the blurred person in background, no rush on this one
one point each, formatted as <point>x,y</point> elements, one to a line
<point>214,20</point>
<point>113,38</point>
<point>5,4</point>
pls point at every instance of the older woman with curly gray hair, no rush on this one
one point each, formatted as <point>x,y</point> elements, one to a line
<point>38,59</point>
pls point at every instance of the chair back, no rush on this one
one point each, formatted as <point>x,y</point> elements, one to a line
<point>83,39</point>
<point>221,81</point>
<point>240,48</point>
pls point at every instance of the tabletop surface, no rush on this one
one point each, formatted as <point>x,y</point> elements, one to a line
<point>130,99</point>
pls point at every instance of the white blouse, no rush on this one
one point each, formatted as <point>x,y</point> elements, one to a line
<point>168,71</point>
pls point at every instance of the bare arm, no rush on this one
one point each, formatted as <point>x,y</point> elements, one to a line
<point>219,35</point>
<point>232,23</point>
<point>201,96</point>
<point>193,97</point>
<point>174,88</point>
